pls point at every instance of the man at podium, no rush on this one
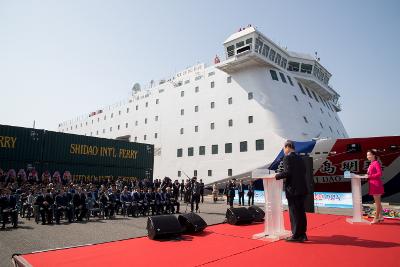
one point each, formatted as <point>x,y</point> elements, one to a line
<point>294,173</point>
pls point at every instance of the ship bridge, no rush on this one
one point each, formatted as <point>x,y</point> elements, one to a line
<point>248,48</point>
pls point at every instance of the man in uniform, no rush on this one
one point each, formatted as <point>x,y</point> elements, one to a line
<point>195,194</point>
<point>201,190</point>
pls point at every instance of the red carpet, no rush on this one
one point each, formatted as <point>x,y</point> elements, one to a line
<point>333,242</point>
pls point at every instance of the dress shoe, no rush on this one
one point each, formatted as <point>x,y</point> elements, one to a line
<point>294,239</point>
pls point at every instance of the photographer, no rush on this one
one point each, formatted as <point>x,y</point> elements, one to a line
<point>195,194</point>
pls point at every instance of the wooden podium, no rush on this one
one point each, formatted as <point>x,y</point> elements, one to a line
<point>356,197</point>
<point>274,228</point>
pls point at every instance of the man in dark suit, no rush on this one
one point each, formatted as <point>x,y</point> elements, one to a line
<point>294,173</point>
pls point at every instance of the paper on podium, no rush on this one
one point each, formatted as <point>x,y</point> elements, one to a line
<point>262,173</point>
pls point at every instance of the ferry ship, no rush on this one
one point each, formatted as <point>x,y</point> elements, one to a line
<point>233,116</point>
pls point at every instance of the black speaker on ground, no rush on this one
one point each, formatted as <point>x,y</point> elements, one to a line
<point>239,216</point>
<point>257,212</point>
<point>191,222</point>
<point>309,201</point>
<point>163,226</point>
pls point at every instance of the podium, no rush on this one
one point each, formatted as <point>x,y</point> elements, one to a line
<point>274,228</point>
<point>356,197</point>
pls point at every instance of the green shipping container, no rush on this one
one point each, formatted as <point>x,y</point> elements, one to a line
<point>20,144</point>
<point>87,173</point>
<point>78,149</point>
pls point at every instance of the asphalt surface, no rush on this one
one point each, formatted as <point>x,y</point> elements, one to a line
<point>29,236</point>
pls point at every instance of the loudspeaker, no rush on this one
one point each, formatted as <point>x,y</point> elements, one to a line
<point>163,226</point>
<point>309,200</point>
<point>258,213</point>
<point>239,216</point>
<point>191,222</point>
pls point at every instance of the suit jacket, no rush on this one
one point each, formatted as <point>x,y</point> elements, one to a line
<point>294,171</point>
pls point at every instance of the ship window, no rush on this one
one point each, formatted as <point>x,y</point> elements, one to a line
<point>230,50</point>
<point>212,84</point>
<point>118,127</point>
<point>250,119</point>
<point>105,118</point>
<point>240,44</point>
<point>212,104</point>
<point>127,110</point>
<point>135,138</point>
<point>229,172</point>
<point>305,119</point>
<point>98,120</point>
<point>179,153</point>
<point>126,125</point>
<point>322,126</point>
<point>196,128</point>
<point>179,173</point>
<point>195,173</point>
<point>157,101</point>
<point>136,123</point>
<point>290,80</point>
<point>265,50</point>
<point>228,148</point>
<point>322,112</point>
<point>210,173</point>
<point>306,68</point>
<point>145,121</point>
<point>282,77</point>
<point>250,96</point>
<point>182,93</point>
<point>249,40</point>
<point>229,79</point>
<point>308,92</point>
<point>315,96</point>
<point>243,49</point>
<point>310,104</point>
<point>230,101</point>
<point>202,150</point>
<point>196,89</point>
<point>353,148</point>
<point>137,107</point>
<point>147,104</point>
<point>211,73</point>
<point>323,102</point>
<point>212,126</point>
<point>274,76</point>
<point>190,151</point>
<point>156,118</point>
<point>243,146</point>
<point>278,58</point>
<point>104,130</point>
<point>272,55</point>
<point>182,112</point>
<point>181,131</point>
<point>330,128</point>
<point>230,123</point>
<point>258,46</point>
<point>284,63</point>
<point>110,129</point>
<point>295,97</point>
<point>144,137</point>
<point>196,108</point>
<point>214,149</point>
<point>187,81</point>
<point>97,132</point>
<point>260,144</point>
<point>293,66</point>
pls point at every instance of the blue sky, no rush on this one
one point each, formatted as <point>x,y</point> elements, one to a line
<point>61,59</point>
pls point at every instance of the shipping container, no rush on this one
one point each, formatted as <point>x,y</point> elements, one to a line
<point>71,148</point>
<point>20,144</point>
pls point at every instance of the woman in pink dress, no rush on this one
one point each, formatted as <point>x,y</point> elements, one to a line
<point>375,184</point>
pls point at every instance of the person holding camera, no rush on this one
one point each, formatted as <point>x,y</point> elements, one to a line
<point>195,194</point>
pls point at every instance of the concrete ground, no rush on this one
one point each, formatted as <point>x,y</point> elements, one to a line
<point>29,236</point>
